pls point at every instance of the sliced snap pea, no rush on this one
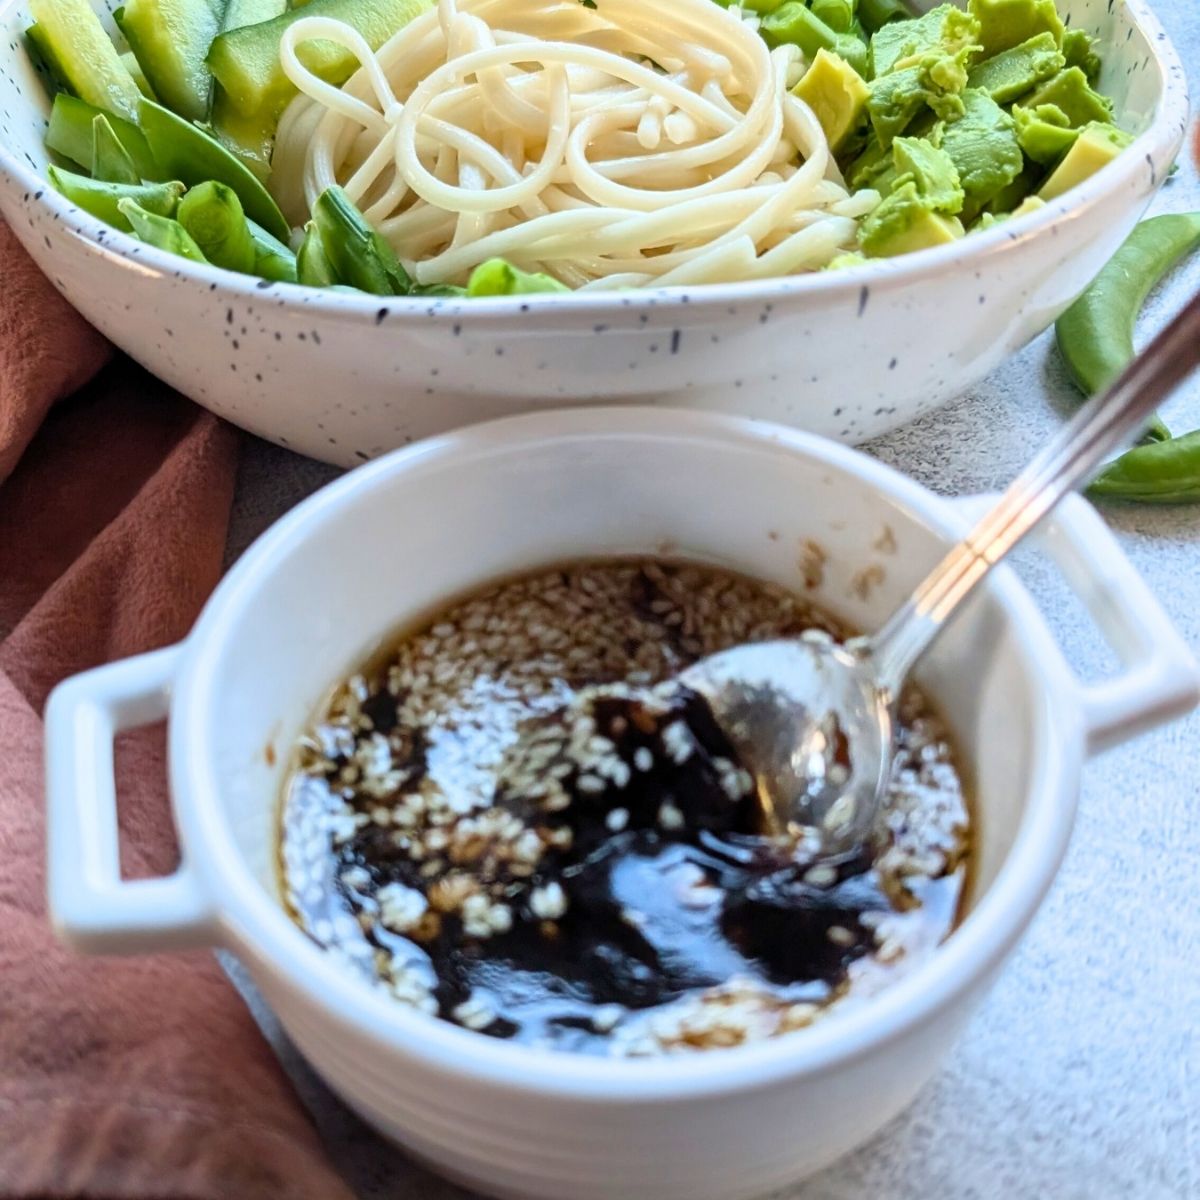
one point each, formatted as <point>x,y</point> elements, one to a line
<point>1166,472</point>
<point>188,153</point>
<point>71,133</point>
<point>103,200</point>
<point>498,277</point>
<point>1095,335</point>
<point>111,162</point>
<point>212,214</point>
<point>874,14</point>
<point>313,268</point>
<point>164,233</point>
<point>357,254</point>
<point>272,259</point>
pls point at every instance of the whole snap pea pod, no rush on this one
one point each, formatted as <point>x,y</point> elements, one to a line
<point>1159,473</point>
<point>272,259</point>
<point>357,254</point>
<point>1095,335</point>
<point>212,214</point>
<point>111,162</point>
<point>103,200</point>
<point>165,233</point>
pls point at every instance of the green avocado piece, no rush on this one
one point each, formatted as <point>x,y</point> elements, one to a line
<point>1011,197</point>
<point>920,162</point>
<point>836,93</point>
<point>1044,133</point>
<point>792,24</point>
<point>871,162</point>
<point>1007,23</point>
<point>898,98</point>
<point>1015,71</point>
<point>1095,147</point>
<point>905,221</point>
<point>1078,49</point>
<point>983,146</point>
<point>1069,91</point>
<point>943,32</point>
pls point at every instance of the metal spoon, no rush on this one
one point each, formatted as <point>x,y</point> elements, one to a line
<point>813,720</point>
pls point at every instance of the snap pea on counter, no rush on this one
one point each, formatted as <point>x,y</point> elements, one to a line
<point>1095,339</point>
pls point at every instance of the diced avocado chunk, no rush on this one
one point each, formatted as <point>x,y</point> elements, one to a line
<point>836,93</point>
<point>899,97</point>
<point>983,145</point>
<point>1028,205</point>
<point>849,258</point>
<point>1007,23</point>
<point>920,162</point>
<point>1044,133</point>
<point>873,160</point>
<point>944,31</point>
<point>1070,92</point>
<point>1017,70</point>
<point>246,61</point>
<point>1078,49</point>
<point>1095,147</point>
<point>1010,197</point>
<point>85,54</point>
<point>906,221</point>
<point>170,39</point>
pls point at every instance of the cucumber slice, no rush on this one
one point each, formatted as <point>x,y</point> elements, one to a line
<point>170,39</point>
<point>139,76</point>
<point>71,134</point>
<point>246,61</point>
<point>188,153</point>
<point>93,68</point>
<point>249,138</point>
<point>41,51</point>
<point>239,13</point>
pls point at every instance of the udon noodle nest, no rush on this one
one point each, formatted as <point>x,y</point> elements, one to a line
<point>640,142</point>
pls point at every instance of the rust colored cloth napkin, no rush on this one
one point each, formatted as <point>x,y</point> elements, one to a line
<point>120,1079</point>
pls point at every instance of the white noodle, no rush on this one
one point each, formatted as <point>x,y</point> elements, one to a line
<point>538,131</point>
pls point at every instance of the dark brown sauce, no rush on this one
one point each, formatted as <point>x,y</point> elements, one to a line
<point>667,887</point>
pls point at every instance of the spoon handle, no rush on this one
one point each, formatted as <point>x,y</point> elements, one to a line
<point>1107,423</point>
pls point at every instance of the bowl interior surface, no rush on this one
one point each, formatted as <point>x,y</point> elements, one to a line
<point>393,541</point>
<point>1128,74</point>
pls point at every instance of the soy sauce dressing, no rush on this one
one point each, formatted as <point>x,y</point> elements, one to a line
<point>600,883</point>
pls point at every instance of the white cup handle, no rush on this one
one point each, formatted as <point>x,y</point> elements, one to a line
<point>93,909</point>
<point>1159,678</point>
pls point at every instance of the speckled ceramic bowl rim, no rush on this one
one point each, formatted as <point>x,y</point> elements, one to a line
<point>1155,149</point>
<point>254,924</point>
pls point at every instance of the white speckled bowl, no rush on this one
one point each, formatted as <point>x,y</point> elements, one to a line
<point>849,355</point>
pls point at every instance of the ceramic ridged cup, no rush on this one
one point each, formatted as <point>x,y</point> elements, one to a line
<point>849,354</point>
<point>394,540</point>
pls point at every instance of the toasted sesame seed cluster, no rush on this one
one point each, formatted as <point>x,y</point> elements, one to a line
<point>520,822</point>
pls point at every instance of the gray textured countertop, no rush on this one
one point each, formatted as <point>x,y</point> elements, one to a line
<point>1079,1079</point>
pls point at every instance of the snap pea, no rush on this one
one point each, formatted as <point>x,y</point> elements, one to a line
<point>1166,472</point>
<point>837,14</point>
<point>188,153</point>
<point>103,200</point>
<point>71,133</point>
<point>164,233</point>
<point>212,214</point>
<point>313,268</point>
<point>111,162</point>
<point>272,259</point>
<point>874,14</point>
<point>1095,335</point>
<point>498,277</point>
<point>357,255</point>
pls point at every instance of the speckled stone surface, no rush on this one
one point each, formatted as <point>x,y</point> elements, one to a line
<point>1079,1079</point>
